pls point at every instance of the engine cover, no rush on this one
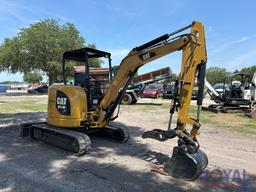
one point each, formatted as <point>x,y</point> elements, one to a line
<point>67,106</point>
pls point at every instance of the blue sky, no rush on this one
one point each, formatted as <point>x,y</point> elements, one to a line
<point>118,26</point>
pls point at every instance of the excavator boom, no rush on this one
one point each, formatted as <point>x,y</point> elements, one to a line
<point>187,159</point>
<point>194,60</point>
<point>75,111</point>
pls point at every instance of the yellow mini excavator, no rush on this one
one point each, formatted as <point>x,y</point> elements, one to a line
<point>84,108</point>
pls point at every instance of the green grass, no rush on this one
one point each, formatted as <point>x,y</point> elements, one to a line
<point>6,115</point>
<point>9,108</point>
<point>233,122</point>
<point>23,106</point>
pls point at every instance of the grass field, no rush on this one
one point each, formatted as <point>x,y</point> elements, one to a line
<point>9,106</point>
<point>236,122</point>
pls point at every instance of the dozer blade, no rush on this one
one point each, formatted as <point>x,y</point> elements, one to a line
<point>186,165</point>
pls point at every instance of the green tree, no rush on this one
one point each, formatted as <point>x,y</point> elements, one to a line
<point>216,74</point>
<point>94,62</point>
<point>250,70</point>
<point>33,77</point>
<point>40,47</point>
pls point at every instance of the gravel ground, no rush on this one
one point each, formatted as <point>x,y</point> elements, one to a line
<point>27,165</point>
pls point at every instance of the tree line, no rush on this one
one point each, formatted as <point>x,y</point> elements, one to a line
<point>37,50</point>
<point>217,75</point>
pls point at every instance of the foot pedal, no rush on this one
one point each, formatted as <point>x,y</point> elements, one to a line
<point>186,165</point>
<point>158,134</point>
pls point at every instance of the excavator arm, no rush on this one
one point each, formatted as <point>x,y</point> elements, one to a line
<point>128,68</point>
<point>194,58</point>
<point>187,159</point>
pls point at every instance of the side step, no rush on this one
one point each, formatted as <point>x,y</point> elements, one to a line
<point>76,142</point>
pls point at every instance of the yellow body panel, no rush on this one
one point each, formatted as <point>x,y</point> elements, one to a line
<point>77,102</point>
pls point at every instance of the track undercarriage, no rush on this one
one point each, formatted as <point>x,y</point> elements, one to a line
<point>216,108</point>
<point>74,140</point>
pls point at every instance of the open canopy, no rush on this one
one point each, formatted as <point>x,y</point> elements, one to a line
<point>80,54</point>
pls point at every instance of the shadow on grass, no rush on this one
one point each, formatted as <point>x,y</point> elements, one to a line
<point>6,115</point>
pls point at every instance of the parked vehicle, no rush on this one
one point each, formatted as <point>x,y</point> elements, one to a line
<point>153,91</point>
<point>4,88</point>
<point>138,84</point>
<point>39,89</point>
<point>237,96</point>
<point>168,91</point>
<point>219,87</point>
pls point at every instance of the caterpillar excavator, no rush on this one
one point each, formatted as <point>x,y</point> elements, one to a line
<point>77,111</point>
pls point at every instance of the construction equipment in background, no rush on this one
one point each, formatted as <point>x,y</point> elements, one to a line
<point>138,83</point>
<point>253,87</point>
<point>252,113</point>
<point>75,112</point>
<point>238,94</point>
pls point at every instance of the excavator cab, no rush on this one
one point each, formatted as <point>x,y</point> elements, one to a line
<point>93,80</point>
<point>237,90</point>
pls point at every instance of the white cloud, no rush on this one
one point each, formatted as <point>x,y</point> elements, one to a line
<point>227,45</point>
<point>243,39</point>
<point>117,55</point>
<point>242,60</point>
<point>23,13</point>
<point>119,52</point>
<point>233,56</point>
<point>8,8</point>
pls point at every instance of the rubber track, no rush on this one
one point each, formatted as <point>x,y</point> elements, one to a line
<point>117,126</point>
<point>81,139</point>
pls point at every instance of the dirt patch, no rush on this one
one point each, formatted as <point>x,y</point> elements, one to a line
<point>27,165</point>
